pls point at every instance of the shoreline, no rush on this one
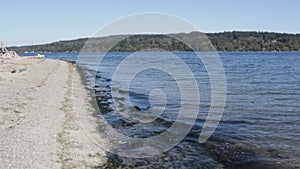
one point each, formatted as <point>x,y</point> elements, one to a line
<point>38,124</point>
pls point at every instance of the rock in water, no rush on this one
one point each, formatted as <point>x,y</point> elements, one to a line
<point>137,108</point>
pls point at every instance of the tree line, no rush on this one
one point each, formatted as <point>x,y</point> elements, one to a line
<point>194,41</point>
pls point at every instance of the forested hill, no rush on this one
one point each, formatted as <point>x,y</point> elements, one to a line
<point>226,41</point>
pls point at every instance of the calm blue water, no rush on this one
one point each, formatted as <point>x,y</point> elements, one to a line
<point>260,127</point>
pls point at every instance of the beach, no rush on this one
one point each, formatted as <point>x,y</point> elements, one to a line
<point>38,124</point>
<point>49,113</point>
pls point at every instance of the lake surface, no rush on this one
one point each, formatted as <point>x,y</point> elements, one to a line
<point>260,126</point>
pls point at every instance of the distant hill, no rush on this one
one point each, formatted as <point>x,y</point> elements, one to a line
<point>226,41</point>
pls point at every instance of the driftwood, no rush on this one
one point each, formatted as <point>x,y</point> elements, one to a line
<point>6,54</point>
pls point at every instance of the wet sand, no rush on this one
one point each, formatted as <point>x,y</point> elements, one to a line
<point>38,123</point>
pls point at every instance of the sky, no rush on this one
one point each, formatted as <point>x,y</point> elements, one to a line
<point>38,22</point>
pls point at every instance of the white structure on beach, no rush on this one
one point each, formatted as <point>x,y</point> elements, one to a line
<point>6,54</point>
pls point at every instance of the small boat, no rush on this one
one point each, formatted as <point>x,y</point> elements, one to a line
<point>40,56</point>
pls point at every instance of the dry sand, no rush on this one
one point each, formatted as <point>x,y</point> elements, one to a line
<point>38,124</point>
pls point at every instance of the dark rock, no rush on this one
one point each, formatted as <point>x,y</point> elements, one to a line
<point>137,108</point>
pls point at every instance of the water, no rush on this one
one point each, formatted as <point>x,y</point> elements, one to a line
<point>260,127</point>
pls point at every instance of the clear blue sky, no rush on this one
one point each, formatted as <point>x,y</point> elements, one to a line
<point>33,22</point>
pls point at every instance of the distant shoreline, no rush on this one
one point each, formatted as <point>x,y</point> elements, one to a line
<point>222,42</point>
<point>29,54</point>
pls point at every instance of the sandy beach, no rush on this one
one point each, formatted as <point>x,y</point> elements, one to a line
<point>38,124</point>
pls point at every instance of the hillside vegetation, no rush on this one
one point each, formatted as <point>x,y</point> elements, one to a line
<point>226,41</point>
